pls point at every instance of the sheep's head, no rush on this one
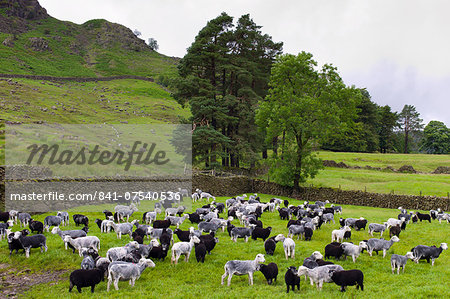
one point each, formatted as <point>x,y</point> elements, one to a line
<point>55,230</point>
<point>10,223</point>
<point>154,242</point>
<point>347,228</point>
<point>134,244</point>
<point>302,270</point>
<point>195,239</point>
<point>148,262</point>
<point>395,239</point>
<point>444,246</point>
<point>363,244</point>
<point>67,238</point>
<point>260,258</point>
<point>409,255</point>
<point>279,237</point>
<point>317,255</point>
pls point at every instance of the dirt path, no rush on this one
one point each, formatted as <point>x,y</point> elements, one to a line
<point>14,282</point>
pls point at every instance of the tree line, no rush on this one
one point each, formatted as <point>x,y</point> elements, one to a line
<point>250,102</point>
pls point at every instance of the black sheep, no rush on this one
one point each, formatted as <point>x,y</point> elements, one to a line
<point>36,226</point>
<point>347,235</point>
<point>360,224</point>
<point>165,237</point>
<point>35,241</point>
<point>342,221</point>
<point>262,233</point>
<point>284,213</point>
<point>209,241</point>
<point>14,244</point>
<point>403,226</point>
<point>229,227</point>
<point>293,222</point>
<point>270,245</point>
<point>85,278</point>
<point>334,249</point>
<point>328,210</point>
<point>394,231</point>
<point>80,219</point>
<point>183,235</point>
<point>291,279</point>
<point>99,223</point>
<point>414,218</point>
<point>308,234</point>
<point>136,237</point>
<point>348,278</point>
<point>141,232</point>
<point>200,252</point>
<point>269,271</point>
<point>423,217</point>
<point>107,214</point>
<point>257,223</point>
<point>286,203</point>
<point>321,262</point>
<point>194,218</point>
<point>159,252</point>
<point>4,216</point>
<point>161,224</point>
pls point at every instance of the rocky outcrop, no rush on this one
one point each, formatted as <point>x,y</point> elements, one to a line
<point>38,44</point>
<point>25,9</point>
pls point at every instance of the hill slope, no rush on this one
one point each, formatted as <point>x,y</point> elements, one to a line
<point>32,42</point>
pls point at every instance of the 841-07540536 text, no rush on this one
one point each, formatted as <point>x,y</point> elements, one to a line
<point>96,195</point>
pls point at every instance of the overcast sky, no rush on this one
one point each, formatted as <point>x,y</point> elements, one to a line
<point>399,50</point>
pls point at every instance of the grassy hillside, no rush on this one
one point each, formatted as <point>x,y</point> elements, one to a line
<point>131,101</point>
<point>194,279</point>
<point>95,48</point>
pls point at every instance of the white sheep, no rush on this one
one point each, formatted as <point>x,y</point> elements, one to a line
<point>320,274</point>
<point>183,248</point>
<point>338,234</point>
<point>353,250</point>
<point>83,242</point>
<point>288,245</point>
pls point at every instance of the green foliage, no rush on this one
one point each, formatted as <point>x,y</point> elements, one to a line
<point>387,124</point>
<point>223,75</point>
<point>436,138</point>
<point>303,105</point>
<point>409,122</point>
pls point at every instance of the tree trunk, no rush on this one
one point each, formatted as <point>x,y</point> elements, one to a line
<point>298,163</point>
<point>275,145</point>
<point>406,142</point>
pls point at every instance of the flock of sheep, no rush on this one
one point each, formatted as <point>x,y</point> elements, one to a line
<point>129,261</point>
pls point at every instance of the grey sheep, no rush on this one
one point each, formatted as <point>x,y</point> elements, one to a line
<point>127,271</point>
<point>380,244</point>
<point>399,261</point>
<point>242,267</point>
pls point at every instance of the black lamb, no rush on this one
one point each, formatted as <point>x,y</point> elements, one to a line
<point>394,231</point>
<point>200,252</point>
<point>269,271</point>
<point>291,279</point>
<point>209,241</point>
<point>262,233</point>
<point>270,245</point>
<point>80,219</point>
<point>85,278</point>
<point>159,252</point>
<point>194,218</point>
<point>360,224</point>
<point>348,278</point>
<point>334,249</point>
<point>36,226</point>
<point>308,234</point>
<point>423,217</point>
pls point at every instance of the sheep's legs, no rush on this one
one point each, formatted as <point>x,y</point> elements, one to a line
<point>384,253</point>
<point>250,278</point>
<point>229,278</point>
<point>223,276</point>
<point>116,284</point>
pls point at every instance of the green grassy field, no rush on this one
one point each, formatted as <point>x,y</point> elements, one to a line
<point>420,162</point>
<point>200,280</point>
<point>378,181</point>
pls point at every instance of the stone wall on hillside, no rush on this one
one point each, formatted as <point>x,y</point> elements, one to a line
<point>231,186</point>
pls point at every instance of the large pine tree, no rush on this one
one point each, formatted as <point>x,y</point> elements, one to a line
<point>223,76</point>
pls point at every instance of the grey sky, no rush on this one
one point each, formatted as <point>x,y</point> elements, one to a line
<point>397,49</point>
